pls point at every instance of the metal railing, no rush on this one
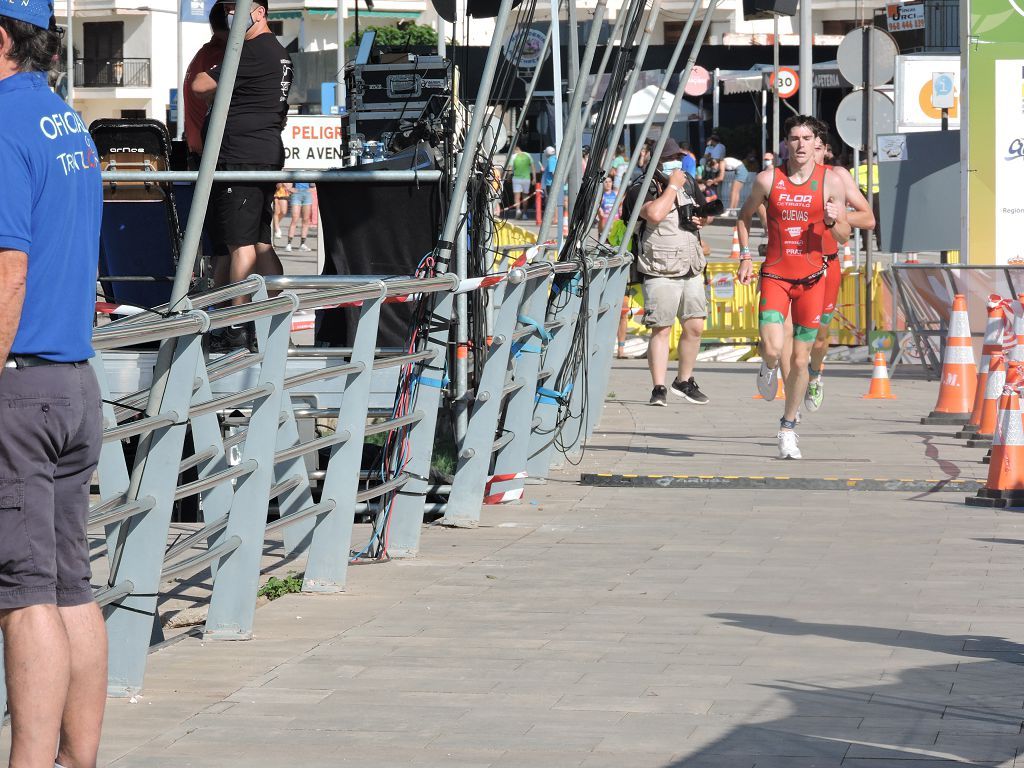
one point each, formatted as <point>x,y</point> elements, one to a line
<point>112,73</point>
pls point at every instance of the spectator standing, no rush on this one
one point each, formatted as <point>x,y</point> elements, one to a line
<point>619,163</point>
<point>251,142</point>
<point>302,207</point>
<point>548,177</point>
<point>524,172</point>
<point>739,181</point>
<point>689,160</point>
<point>282,195</point>
<point>55,646</point>
<point>671,263</point>
<point>196,108</point>
<point>606,212</point>
<point>714,148</point>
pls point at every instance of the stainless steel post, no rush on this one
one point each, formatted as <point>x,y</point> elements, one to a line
<point>574,83</point>
<point>667,127</point>
<point>573,129</point>
<point>339,96</point>
<point>461,333</point>
<point>645,129</point>
<point>189,248</point>
<point>466,161</point>
<point>775,84</point>
<point>627,95</point>
<point>806,59</point>
<point>869,141</point>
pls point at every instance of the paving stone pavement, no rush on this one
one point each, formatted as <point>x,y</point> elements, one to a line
<point>645,628</point>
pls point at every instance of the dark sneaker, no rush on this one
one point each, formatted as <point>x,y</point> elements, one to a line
<point>659,396</point>
<point>688,390</point>
<point>229,339</point>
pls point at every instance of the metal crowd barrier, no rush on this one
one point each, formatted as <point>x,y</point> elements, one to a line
<point>542,383</point>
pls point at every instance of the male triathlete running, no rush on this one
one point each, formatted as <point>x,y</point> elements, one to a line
<point>803,200</point>
<point>860,217</point>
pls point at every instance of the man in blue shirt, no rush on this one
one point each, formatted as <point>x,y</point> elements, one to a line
<point>50,419</point>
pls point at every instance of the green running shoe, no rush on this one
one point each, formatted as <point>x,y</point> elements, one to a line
<point>815,395</point>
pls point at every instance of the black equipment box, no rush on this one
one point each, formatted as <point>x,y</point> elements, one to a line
<point>404,87</point>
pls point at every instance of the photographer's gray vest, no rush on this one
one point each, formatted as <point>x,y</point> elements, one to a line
<point>668,250</point>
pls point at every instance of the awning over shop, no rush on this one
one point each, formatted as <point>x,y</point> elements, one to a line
<point>826,75</point>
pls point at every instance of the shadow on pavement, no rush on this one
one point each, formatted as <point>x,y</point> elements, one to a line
<point>955,714</point>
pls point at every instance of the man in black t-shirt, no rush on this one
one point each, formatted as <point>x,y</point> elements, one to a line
<point>243,212</point>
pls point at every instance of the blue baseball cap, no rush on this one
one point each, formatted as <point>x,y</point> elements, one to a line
<point>36,12</point>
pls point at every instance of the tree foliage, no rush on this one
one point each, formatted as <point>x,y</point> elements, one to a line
<point>406,33</point>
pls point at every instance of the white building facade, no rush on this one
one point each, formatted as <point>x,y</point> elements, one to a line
<point>128,56</point>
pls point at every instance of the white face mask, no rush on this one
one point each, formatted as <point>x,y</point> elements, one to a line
<point>231,20</point>
<point>671,165</point>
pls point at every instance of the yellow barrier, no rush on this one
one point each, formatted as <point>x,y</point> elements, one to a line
<point>506,234</point>
<point>732,308</point>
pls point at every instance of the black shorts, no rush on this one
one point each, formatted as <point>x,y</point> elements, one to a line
<point>51,430</point>
<point>243,212</point>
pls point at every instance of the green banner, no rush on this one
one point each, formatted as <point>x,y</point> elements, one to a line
<point>992,75</point>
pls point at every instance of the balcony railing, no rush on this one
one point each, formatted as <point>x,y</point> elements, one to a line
<point>112,73</point>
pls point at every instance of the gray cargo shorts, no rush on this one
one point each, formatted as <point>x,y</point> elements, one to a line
<point>667,299</point>
<point>51,430</point>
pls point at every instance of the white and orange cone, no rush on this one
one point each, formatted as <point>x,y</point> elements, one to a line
<point>847,256</point>
<point>1005,484</point>
<point>879,389</point>
<point>990,405</point>
<point>993,344</point>
<point>959,373</point>
<point>735,252</point>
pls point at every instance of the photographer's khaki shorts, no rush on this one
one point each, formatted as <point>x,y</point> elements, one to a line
<point>669,298</point>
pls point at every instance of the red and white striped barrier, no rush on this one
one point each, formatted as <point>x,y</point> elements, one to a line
<point>506,496</point>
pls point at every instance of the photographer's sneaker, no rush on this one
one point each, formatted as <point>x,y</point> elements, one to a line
<point>768,381</point>
<point>658,396</point>
<point>789,444</point>
<point>815,394</point>
<point>688,390</point>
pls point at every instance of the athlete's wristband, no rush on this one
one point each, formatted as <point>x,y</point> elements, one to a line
<point>829,226</point>
<point>744,250</point>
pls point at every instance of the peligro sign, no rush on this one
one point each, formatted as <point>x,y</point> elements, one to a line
<point>313,142</point>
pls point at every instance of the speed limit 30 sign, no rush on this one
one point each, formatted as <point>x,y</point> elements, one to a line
<point>788,82</point>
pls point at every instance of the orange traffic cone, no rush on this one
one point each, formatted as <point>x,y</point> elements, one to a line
<point>959,373</point>
<point>565,221</point>
<point>735,252</point>
<point>1005,484</point>
<point>879,389</point>
<point>1017,353</point>
<point>993,343</point>
<point>847,256</point>
<point>990,404</point>
<point>780,393</point>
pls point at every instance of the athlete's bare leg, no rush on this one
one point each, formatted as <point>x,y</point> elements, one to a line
<point>787,349</point>
<point>797,378</point>
<point>820,348</point>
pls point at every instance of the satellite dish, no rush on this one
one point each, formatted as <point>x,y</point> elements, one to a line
<point>445,9</point>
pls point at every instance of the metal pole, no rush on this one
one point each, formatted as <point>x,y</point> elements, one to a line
<point>806,59</point>
<point>620,18</point>
<point>620,118</point>
<point>869,141</point>
<point>339,96</point>
<point>461,333</point>
<point>645,129</point>
<point>179,81</point>
<point>573,128</point>
<point>556,73</point>
<point>714,98</point>
<point>764,120</point>
<point>574,82</point>
<point>69,37</point>
<point>775,86</point>
<point>189,248</point>
<point>943,255</point>
<point>856,231</point>
<point>476,124</point>
<point>659,147</point>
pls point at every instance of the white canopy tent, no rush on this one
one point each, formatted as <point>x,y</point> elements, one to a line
<point>643,103</point>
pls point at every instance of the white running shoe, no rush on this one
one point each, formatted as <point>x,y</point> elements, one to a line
<point>789,445</point>
<point>304,247</point>
<point>288,247</point>
<point>768,381</point>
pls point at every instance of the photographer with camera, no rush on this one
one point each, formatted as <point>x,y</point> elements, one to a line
<point>671,263</point>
